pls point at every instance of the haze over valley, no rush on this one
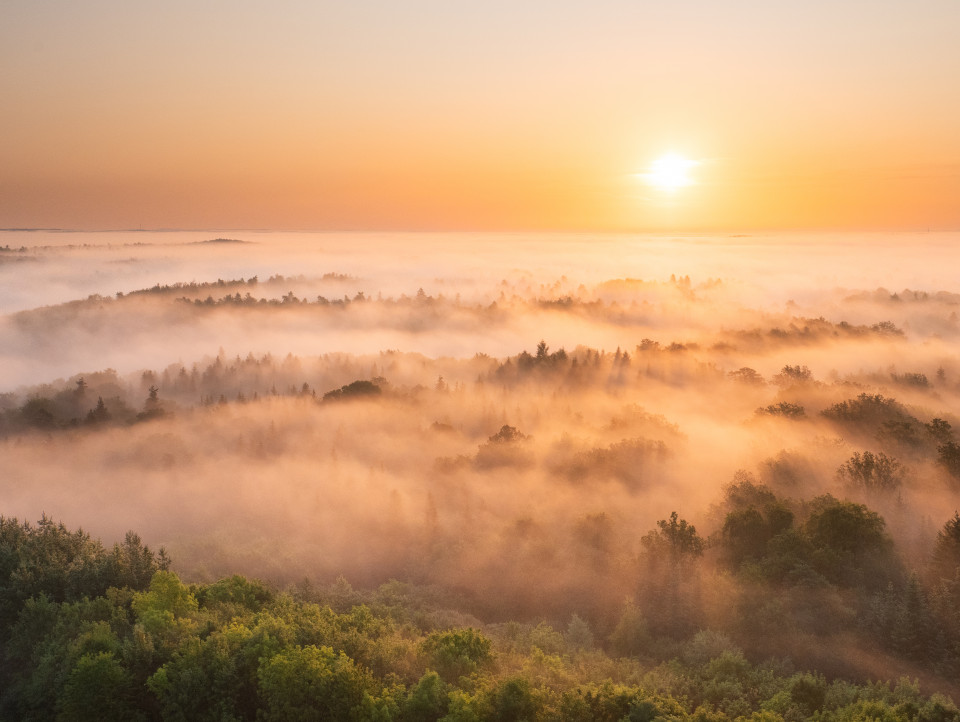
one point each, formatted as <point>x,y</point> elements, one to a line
<point>541,361</point>
<point>505,419</point>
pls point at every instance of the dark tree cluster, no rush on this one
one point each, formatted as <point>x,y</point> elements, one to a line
<point>802,554</point>
<point>94,634</point>
<point>354,390</point>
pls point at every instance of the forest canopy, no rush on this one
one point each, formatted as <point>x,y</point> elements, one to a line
<point>113,634</point>
<point>379,478</point>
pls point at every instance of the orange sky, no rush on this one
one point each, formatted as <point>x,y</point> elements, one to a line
<point>435,114</point>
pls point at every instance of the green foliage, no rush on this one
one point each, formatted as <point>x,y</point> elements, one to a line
<point>236,592</point>
<point>46,643</point>
<point>609,702</point>
<point>671,600</point>
<point>312,683</point>
<point>65,565</point>
<point>236,650</point>
<point>745,535</point>
<point>579,636</point>
<point>547,639</point>
<point>211,679</point>
<point>167,599</point>
<point>98,687</point>
<point>807,692</point>
<point>167,612</point>
<point>850,544</point>
<point>945,560</point>
<point>707,645</point>
<point>840,542</point>
<point>427,701</point>
<point>457,652</point>
<point>902,619</point>
<point>514,700</point>
<point>631,635</point>
<point>844,527</point>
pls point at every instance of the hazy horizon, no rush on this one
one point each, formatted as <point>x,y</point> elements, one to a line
<point>804,270</point>
<point>639,320</point>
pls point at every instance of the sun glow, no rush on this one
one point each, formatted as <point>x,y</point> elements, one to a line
<point>669,172</point>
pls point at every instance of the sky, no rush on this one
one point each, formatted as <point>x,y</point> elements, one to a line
<point>440,115</point>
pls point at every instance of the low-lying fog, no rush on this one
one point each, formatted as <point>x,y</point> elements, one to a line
<point>661,375</point>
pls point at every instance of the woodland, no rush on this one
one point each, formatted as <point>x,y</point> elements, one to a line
<point>745,512</point>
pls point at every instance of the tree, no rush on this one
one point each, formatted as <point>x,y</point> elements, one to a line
<point>356,389</point>
<point>674,538</point>
<point>784,409</point>
<point>747,375</point>
<point>99,414</point>
<point>210,679</point>
<point>948,456</point>
<point>940,430</point>
<point>132,564</point>
<point>745,536</point>
<point>98,688</point>
<point>312,683</point>
<point>869,413</point>
<point>167,611</point>
<point>507,435</point>
<point>901,618</point>
<point>65,566</point>
<point>872,472</point>
<point>945,560</point>
<point>850,544</point>
<point>670,584</point>
<point>790,375</point>
<point>631,636</point>
<point>844,526</point>
<point>579,636</point>
<point>456,653</point>
<point>514,700</point>
<point>152,407</point>
<point>504,448</point>
<point>428,700</point>
<point>38,413</point>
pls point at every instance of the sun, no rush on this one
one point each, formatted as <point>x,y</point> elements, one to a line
<point>669,172</point>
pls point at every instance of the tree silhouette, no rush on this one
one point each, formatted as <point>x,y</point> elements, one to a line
<point>675,538</point>
<point>99,414</point>
<point>945,560</point>
<point>872,472</point>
